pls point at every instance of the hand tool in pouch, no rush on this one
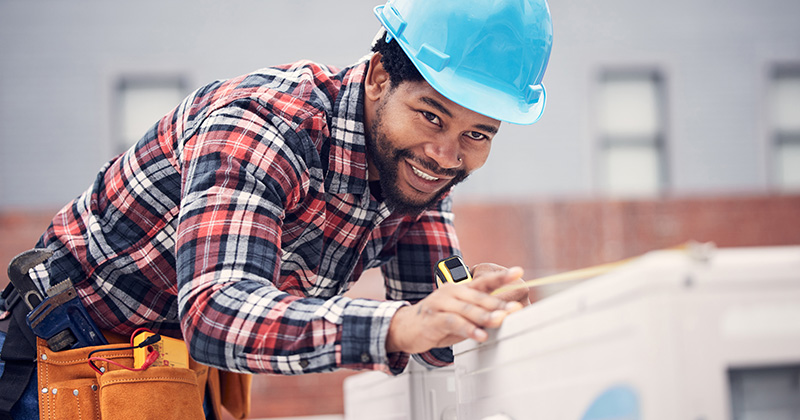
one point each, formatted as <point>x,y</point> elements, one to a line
<point>60,318</point>
<point>18,274</point>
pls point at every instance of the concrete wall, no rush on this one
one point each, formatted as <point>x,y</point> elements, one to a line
<point>60,61</point>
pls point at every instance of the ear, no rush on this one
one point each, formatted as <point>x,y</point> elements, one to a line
<point>377,82</point>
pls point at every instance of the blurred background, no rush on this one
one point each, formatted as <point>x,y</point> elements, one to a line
<point>666,122</point>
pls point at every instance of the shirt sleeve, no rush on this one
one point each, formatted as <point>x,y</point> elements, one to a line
<point>239,174</point>
<point>409,276</point>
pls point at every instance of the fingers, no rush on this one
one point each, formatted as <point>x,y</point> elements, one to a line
<point>455,327</point>
<point>481,309</point>
<point>423,326</point>
<point>488,281</point>
<point>454,312</point>
<point>486,268</point>
<point>474,303</point>
<point>519,294</point>
<point>460,311</point>
<point>465,320</point>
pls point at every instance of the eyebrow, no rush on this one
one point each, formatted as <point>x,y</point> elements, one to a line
<point>488,128</point>
<point>441,108</point>
<point>434,103</point>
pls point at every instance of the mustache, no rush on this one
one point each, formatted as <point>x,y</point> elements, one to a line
<point>432,167</point>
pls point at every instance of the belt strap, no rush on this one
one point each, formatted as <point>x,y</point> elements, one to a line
<point>19,355</point>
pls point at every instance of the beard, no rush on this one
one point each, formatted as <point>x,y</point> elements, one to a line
<point>387,160</point>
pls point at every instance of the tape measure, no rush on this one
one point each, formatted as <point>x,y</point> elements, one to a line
<point>452,270</point>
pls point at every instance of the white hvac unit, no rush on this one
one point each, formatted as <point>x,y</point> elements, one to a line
<point>416,394</point>
<point>672,335</point>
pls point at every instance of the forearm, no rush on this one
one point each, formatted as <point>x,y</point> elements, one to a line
<point>262,330</point>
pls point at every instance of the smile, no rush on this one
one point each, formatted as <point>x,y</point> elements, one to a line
<point>423,175</point>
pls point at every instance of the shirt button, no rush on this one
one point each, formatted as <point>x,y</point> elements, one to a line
<point>303,363</point>
<point>365,358</point>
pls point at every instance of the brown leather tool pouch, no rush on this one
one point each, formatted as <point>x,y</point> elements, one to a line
<point>70,389</point>
<point>155,393</point>
<point>231,390</point>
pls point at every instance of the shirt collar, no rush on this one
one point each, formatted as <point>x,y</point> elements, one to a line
<point>347,160</point>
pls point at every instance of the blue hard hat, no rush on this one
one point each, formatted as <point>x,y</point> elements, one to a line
<point>487,56</point>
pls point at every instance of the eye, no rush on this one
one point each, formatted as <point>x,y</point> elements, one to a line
<point>433,118</point>
<point>475,135</point>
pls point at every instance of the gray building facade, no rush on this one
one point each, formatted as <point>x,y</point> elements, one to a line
<point>645,98</point>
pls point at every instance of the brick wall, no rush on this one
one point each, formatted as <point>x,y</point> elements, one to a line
<point>547,237</point>
<point>542,237</point>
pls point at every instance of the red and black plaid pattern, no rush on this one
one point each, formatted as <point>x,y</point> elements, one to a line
<point>238,221</point>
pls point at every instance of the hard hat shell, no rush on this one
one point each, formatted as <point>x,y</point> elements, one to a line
<point>488,56</point>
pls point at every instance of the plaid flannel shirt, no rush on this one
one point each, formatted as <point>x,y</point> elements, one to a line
<point>239,220</point>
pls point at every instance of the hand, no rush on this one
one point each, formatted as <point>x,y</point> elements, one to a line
<point>453,313</point>
<point>520,295</point>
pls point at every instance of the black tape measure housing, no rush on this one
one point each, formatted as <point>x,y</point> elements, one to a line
<point>452,270</point>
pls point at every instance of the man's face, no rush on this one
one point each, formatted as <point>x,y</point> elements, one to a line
<point>420,144</point>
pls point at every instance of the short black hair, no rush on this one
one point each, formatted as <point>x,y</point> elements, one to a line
<point>396,62</point>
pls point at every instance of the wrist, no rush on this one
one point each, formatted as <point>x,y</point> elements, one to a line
<point>394,338</point>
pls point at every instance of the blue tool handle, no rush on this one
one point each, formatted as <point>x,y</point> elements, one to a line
<point>57,316</point>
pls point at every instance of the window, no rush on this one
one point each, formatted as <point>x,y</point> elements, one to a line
<point>785,123</point>
<point>631,123</point>
<point>141,102</point>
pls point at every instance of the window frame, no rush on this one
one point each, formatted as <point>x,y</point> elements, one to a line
<point>127,81</point>
<point>777,138</point>
<point>604,142</point>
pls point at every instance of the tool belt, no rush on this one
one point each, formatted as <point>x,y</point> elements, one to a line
<point>69,388</point>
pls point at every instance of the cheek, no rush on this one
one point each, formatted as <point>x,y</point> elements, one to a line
<point>404,138</point>
<point>396,123</point>
<point>476,157</point>
<point>394,132</point>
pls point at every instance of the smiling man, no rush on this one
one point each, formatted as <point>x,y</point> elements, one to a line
<point>239,219</point>
<point>419,144</point>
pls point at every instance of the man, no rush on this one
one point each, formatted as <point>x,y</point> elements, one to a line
<point>240,218</point>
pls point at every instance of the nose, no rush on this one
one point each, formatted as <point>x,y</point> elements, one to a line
<point>445,151</point>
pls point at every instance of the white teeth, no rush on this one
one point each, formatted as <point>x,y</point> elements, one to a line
<point>423,175</point>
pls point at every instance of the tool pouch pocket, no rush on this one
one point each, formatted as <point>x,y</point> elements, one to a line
<point>69,389</point>
<point>74,399</point>
<point>156,393</point>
